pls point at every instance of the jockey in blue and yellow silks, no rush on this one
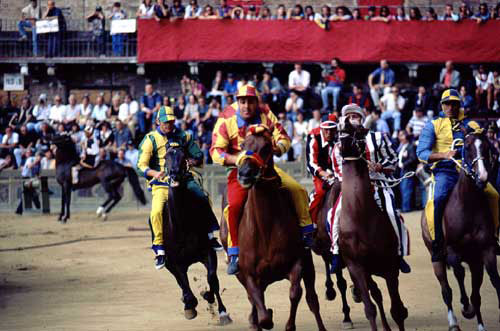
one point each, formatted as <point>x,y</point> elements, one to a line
<point>434,147</point>
<point>151,164</point>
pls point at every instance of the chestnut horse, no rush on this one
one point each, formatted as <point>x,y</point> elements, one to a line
<point>367,241</point>
<point>322,247</point>
<point>271,247</point>
<point>469,232</point>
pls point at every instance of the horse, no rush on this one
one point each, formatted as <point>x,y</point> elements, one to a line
<point>367,242</point>
<point>271,247</point>
<point>186,237</point>
<point>322,247</point>
<point>469,232</point>
<point>109,173</point>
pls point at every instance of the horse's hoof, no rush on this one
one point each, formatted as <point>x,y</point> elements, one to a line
<point>469,313</point>
<point>347,326</point>
<point>224,318</point>
<point>104,217</point>
<point>99,211</point>
<point>189,314</point>
<point>454,328</point>
<point>267,322</point>
<point>356,296</point>
<point>330,294</point>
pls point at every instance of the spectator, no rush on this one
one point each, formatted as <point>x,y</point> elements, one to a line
<point>26,140</point>
<point>100,111</point>
<point>102,155</point>
<point>120,158</point>
<point>212,114</point>
<point>371,13</point>
<point>98,22</point>
<point>204,140</point>
<point>483,15</point>
<point>496,12</point>
<point>341,14</point>
<point>127,112</point>
<point>299,80</point>
<point>48,162</point>
<point>300,127</point>
<point>202,108</point>
<point>407,162</point>
<point>57,111</point>
<point>29,15</point>
<point>224,10</point>
<point>55,38</point>
<point>464,11</point>
<point>496,89</point>
<point>449,77</point>
<point>217,86</point>
<point>309,13</point>
<point>77,136</point>
<point>44,137</point>
<point>24,116</point>
<point>324,17</point>
<point>150,104</point>
<point>380,81</point>
<point>334,82</point>
<point>7,162</point>
<point>41,111</point>
<point>73,111</point>
<point>197,88</point>
<point>230,88</point>
<point>484,83</point>
<point>122,136</point>
<point>237,13</point>
<point>105,137</point>
<point>378,123</point>
<point>422,100</point>
<point>10,140</point>
<point>296,13</point>
<point>415,14</point>
<point>117,39</point>
<point>360,98</point>
<point>430,15</point>
<point>191,113</point>
<point>384,15</point>
<point>449,15</point>
<point>208,13</point>
<point>252,13</point>
<point>180,107</point>
<point>131,154</point>
<point>401,14</point>
<point>270,89</point>
<point>265,14</point>
<point>280,13</point>
<point>417,123</point>
<point>114,109</point>
<point>193,11</point>
<point>85,111</point>
<point>293,106</point>
<point>31,167</point>
<point>467,99</point>
<point>392,105</point>
<point>356,15</point>
<point>146,10</point>
<point>161,10</point>
<point>177,10</point>
<point>315,121</point>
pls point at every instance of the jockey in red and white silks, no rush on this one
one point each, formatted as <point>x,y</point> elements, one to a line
<point>381,157</point>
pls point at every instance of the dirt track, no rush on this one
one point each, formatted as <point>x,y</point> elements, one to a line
<point>90,275</point>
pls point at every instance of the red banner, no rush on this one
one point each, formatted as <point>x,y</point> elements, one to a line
<point>245,3</point>
<point>304,41</point>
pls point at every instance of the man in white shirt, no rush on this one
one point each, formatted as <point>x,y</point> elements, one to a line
<point>29,15</point>
<point>100,111</point>
<point>57,111</point>
<point>72,112</point>
<point>127,111</point>
<point>299,79</point>
<point>193,10</point>
<point>131,154</point>
<point>41,111</point>
<point>9,141</point>
<point>392,105</point>
<point>293,106</point>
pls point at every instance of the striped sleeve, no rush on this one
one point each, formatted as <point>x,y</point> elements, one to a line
<point>220,141</point>
<point>280,137</point>
<point>312,151</point>
<point>426,142</point>
<point>388,155</point>
<point>145,152</point>
<point>336,161</point>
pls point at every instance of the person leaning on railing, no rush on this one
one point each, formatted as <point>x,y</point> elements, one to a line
<point>55,38</point>
<point>29,15</point>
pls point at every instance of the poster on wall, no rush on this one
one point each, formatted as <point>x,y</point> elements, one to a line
<point>47,26</point>
<point>13,82</point>
<point>123,26</point>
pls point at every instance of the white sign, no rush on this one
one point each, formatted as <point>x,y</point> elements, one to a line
<point>123,26</point>
<point>13,82</point>
<point>47,26</point>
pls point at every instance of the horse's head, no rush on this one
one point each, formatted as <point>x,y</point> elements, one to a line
<point>477,157</point>
<point>257,155</point>
<point>176,163</point>
<point>352,139</point>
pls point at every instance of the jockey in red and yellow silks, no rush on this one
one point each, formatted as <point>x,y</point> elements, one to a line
<point>228,135</point>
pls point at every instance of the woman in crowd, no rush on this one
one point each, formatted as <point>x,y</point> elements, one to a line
<point>384,15</point>
<point>296,13</point>
<point>208,13</point>
<point>415,14</point>
<point>146,10</point>
<point>356,15</point>
<point>430,15</point>
<point>280,13</point>
<point>401,14</point>
<point>309,13</point>
<point>265,14</point>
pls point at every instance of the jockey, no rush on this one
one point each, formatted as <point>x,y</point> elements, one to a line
<point>434,147</point>
<point>151,164</point>
<point>228,135</point>
<point>382,161</point>
<point>90,149</point>
<point>319,142</point>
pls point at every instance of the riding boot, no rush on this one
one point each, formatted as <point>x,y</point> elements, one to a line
<point>214,243</point>
<point>232,267</point>
<point>160,261</point>
<point>335,264</point>
<point>308,240</point>
<point>404,266</point>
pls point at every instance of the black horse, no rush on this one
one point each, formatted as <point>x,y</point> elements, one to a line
<point>109,173</point>
<point>186,225</point>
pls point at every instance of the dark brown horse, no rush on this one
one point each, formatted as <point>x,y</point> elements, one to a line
<point>469,232</point>
<point>367,241</point>
<point>271,247</point>
<point>322,247</point>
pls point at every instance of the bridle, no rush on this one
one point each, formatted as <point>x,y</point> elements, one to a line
<point>463,164</point>
<point>262,164</point>
<point>355,142</point>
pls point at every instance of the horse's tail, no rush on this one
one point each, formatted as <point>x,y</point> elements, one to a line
<point>136,185</point>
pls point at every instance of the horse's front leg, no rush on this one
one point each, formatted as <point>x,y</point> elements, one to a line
<point>490,262</point>
<point>477,273</point>
<point>360,278</point>
<point>213,282</point>
<point>342,286</point>
<point>309,275</point>
<point>256,296</point>
<point>188,298</point>
<point>467,309</point>
<point>330,291</point>
<point>440,272</point>
<point>295,278</point>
